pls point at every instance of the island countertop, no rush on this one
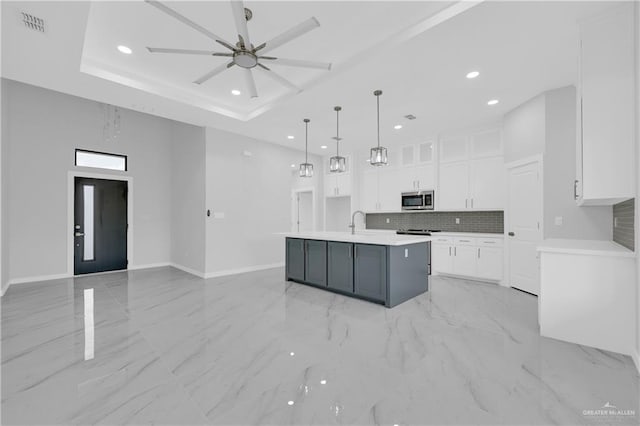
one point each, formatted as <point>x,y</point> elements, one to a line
<point>362,237</point>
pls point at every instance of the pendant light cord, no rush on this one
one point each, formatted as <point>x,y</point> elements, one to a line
<point>337,132</point>
<point>378,103</point>
<point>306,141</point>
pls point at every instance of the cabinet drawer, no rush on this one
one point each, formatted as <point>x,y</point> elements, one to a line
<point>442,240</point>
<point>464,241</point>
<point>490,242</point>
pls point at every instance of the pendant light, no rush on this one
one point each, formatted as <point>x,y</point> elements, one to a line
<point>337,164</point>
<point>379,153</point>
<point>306,168</point>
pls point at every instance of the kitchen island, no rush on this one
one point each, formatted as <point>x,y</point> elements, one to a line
<point>379,267</point>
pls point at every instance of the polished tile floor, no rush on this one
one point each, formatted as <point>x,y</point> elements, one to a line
<point>161,346</point>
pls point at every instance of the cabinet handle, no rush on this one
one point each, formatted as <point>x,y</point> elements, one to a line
<point>575,189</point>
<point>350,255</point>
<point>478,253</point>
<point>465,203</point>
<point>455,251</point>
<point>464,241</point>
<point>355,251</point>
<point>449,251</point>
<point>472,203</point>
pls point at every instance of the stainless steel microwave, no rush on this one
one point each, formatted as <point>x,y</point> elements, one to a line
<point>417,200</point>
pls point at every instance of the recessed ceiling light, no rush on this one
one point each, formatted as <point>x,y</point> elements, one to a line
<point>293,166</point>
<point>290,402</point>
<point>290,137</point>
<point>398,126</point>
<point>323,382</point>
<point>124,49</point>
<point>473,74</point>
<point>292,353</point>
<point>323,146</point>
<point>493,102</point>
<point>236,92</point>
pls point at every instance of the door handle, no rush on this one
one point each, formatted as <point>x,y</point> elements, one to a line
<point>79,234</point>
<point>511,234</point>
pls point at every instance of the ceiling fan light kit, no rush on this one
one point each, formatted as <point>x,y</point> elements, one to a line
<point>244,54</point>
<point>337,164</point>
<point>306,168</point>
<point>378,155</point>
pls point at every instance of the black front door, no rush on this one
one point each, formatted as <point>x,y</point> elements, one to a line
<point>100,226</point>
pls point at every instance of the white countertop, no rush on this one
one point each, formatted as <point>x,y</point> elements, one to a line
<point>587,247</point>
<point>386,238</point>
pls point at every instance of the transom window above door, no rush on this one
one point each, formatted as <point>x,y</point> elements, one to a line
<point>101,160</point>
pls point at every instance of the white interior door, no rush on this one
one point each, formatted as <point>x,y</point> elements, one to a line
<point>305,211</point>
<point>524,226</point>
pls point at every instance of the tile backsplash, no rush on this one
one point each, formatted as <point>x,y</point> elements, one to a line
<point>485,221</point>
<point>623,223</point>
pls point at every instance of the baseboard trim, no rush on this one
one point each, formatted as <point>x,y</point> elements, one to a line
<point>37,278</point>
<point>148,266</point>
<point>226,272</point>
<point>188,270</point>
<point>636,359</point>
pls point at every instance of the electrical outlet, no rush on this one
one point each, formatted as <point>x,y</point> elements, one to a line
<point>457,221</point>
<point>558,220</point>
<point>388,220</point>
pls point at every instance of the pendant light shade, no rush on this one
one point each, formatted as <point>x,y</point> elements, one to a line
<point>378,155</point>
<point>337,164</point>
<point>306,168</point>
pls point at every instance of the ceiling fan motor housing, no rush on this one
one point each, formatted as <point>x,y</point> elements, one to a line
<point>245,59</point>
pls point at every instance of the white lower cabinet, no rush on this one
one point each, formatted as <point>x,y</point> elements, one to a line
<point>472,257</point>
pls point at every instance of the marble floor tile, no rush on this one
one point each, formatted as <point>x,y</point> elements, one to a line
<point>160,346</point>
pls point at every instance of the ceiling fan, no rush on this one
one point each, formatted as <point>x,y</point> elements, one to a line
<point>244,54</point>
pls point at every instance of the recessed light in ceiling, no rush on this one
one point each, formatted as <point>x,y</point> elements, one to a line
<point>290,137</point>
<point>473,74</point>
<point>236,92</point>
<point>290,402</point>
<point>323,146</point>
<point>124,49</point>
<point>493,102</point>
<point>293,166</point>
<point>398,126</point>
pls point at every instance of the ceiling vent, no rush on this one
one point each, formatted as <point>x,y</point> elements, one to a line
<point>410,117</point>
<point>33,22</point>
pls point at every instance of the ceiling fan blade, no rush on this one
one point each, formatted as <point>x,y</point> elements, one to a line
<point>302,64</point>
<point>264,67</point>
<point>160,6</point>
<point>251,84</point>
<point>289,35</point>
<point>268,58</point>
<point>212,73</point>
<point>229,55</point>
<point>227,45</point>
<point>182,51</point>
<point>279,79</point>
<point>241,22</point>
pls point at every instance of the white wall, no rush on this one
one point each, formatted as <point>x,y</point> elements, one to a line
<point>4,181</point>
<point>637,219</point>
<point>45,128</point>
<point>560,171</point>
<point>524,130</point>
<point>188,198</point>
<point>250,200</point>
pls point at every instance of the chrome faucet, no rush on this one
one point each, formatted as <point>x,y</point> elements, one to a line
<point>353,220</point>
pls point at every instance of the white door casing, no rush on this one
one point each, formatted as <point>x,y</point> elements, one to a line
<point>524,227</point>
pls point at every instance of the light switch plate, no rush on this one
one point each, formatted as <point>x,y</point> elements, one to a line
<point>406,252</point>
<point>387,220</point>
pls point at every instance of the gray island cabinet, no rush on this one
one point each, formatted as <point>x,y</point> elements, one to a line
<point>387,271</point>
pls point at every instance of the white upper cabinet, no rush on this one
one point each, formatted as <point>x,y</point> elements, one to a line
<point>487,182</point>
<point>486,144</point>
<point>453,193</point>
<point>472,174</point>
<point>605,148</point>
<point>454,148</point>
